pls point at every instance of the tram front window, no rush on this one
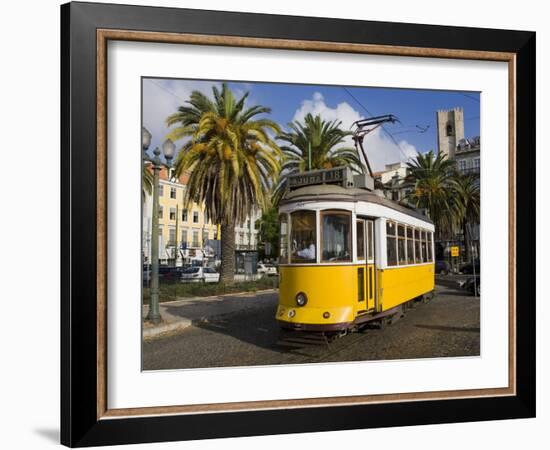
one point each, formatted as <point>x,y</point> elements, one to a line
<point>303,232</point>
<point>283,239</point>
<point>336,236</point>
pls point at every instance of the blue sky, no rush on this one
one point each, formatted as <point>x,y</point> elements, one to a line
<point>414,108</point>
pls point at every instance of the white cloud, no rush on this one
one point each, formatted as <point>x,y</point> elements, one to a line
<point>162,98</point>
<point>343,111</point>
<point>380,148</point>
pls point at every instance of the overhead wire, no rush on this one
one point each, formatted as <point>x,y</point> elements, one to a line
<point>382,126</point>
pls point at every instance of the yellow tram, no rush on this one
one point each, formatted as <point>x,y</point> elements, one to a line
<point>347,254</point>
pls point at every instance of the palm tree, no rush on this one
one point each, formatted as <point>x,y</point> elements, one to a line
<point>315,144</point>
<point>146,182</point>
<point>231,159</point>
<point>466,191</point>
<point>433,177</point>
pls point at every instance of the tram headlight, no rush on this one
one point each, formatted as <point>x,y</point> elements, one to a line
<point>301,299</point>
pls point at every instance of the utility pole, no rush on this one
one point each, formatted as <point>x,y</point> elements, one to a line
<point>176,249</point>
<point>309,155</point>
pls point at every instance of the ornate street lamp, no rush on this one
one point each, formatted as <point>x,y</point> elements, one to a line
<point>168,149</point>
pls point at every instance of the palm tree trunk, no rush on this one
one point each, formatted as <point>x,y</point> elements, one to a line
<point>227,271</point>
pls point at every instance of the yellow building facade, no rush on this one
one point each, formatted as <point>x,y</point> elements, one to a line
<point>179,224</point>
<point>180,227</point>
<point>186,228</point>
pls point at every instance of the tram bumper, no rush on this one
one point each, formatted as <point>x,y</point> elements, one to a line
<point>314,319</point>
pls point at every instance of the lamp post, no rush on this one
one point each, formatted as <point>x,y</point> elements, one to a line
<point>168,149</point>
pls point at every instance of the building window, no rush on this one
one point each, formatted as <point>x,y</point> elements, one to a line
<point>195,238</point>
<point>303,235</point>
<point>184,215</point>
<point>336,236</point>
<point>204,237</point>
<point>462,165</point>
<point>172,213</point>
<point>184,237</point>
<point>171,236</point>
<point>391,244</point>
<point>449,129</point>
<point>195,217</point>
<point>172,192</point>
<point>476,164</point>
<point>283,239</point>
<point>161,212</point>
<point>205,217</point>
<point>401,245</point>
<point>161,190</point>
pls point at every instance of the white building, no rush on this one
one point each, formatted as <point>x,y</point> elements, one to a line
<point>393,181</point>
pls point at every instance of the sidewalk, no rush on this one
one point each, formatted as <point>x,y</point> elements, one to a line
<point>180,314</point>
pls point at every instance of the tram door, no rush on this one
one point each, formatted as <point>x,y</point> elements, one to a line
<point>365,255</point>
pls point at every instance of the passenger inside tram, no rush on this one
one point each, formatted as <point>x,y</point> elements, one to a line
<point>308,252</point>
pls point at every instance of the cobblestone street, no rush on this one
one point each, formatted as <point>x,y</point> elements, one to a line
<point>446,326</point>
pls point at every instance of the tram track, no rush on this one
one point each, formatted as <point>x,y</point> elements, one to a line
<point>345,345</point>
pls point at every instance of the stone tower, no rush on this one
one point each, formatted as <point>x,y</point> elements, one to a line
<point>450,130</point>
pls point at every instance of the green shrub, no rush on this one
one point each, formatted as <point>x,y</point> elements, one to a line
<point>173,291</point>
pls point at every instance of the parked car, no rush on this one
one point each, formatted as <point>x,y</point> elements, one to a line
<point>167,273</point>
<point>472,285</point>
<point>200,274</point>
<point>146,275</point>
<point>267,269</point>
<point>442,267</point>
<point>468,268</point>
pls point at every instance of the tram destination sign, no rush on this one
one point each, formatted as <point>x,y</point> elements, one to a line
<point>339,175</point>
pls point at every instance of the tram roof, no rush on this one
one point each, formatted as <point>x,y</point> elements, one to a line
<point>331,192</point>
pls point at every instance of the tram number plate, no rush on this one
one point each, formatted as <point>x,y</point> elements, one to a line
<point>454,251</point>
<point>336,175</point>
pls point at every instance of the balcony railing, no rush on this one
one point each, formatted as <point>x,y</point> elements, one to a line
<point>245,247</point>
<point>470,171</point>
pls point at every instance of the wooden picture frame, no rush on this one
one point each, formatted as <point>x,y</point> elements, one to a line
<point>85,416</point>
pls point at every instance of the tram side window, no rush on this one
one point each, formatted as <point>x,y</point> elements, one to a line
<point>423,237</point>
<point>303,232</point>
<point>391,244</point>
<point>401,244</point>
<point>429,245</point>
<point>417,252</point>
<point>370,240</point>
<point>360,224</point>
<point>283,239</point>
<point>410,246</point>
<point>336,236</point>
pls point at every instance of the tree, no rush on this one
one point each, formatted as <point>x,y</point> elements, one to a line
<point>433,190</point>
<point>231,160</point>
<point>146,182</point>
<point>315,144</point>
<point>268,226</point>
<point>467,197</point>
